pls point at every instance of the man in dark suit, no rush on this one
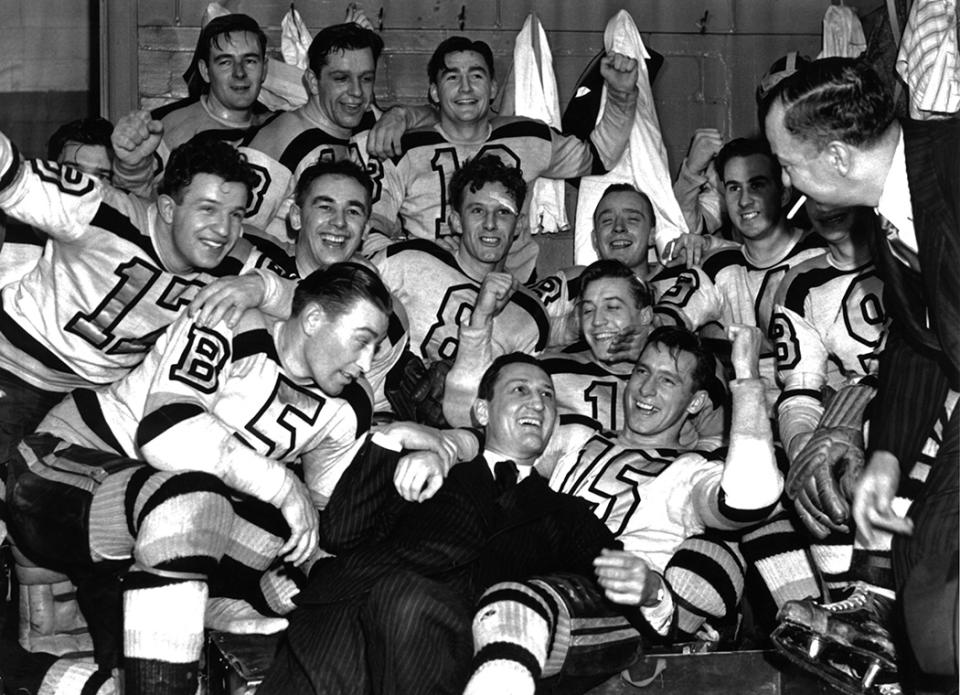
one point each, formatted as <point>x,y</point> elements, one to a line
<point>833,128</point>
<point>392,613</point>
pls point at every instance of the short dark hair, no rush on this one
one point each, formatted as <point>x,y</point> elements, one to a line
<point>205,154</point>
<point>85,131</point>
<point>836,99</point>
<point>612,268</point>
<point>349,36</point>
<point>676,340</point>
<point>210,36</point>
<point>745,147</point>
<point>489,379</point>
<point>457,44</point>
<point>479,171</point>
<point>628,188</point>
<point>338,287</point>
<point>333,167</point>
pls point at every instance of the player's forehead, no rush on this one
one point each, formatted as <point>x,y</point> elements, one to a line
<point>491,194</point>
<point>234,43</point>
<point>85,156</point>
<point>349,60</point>
<point>750,167</point>
<point>622,201</point>
<point>670,360</point>
<point>339,188</point>
<point>204,187</point>
<point>464,61</point>
<point>607,288</point>
<point>518,373</point>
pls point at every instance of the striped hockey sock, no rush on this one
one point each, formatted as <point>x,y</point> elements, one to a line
<point>162,634</point>
<point>706,576</point>
<point>511,635</point>
<point>71,676</point>
<point>779,554</point>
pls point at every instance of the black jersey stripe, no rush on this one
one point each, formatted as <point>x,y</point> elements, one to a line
<point>721,259</point>
<point>163,418</point>
<point>535,309</point>
<point>162,112</point>
<point>742,516</point>
<point>522,128</point>
<point>255,342</point>
<point>23,341</point>
<point>112,220</point>
<point>8,175</point>
<point>802,283</point>
<point>423,246</point>
<point>421,137</point>
<point>88,405</point>
<point>357,397</point>
<point>568,365</point>
<point>306,142</point>
<point>252,132</point>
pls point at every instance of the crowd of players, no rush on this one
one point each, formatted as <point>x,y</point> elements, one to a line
<point>268,367</point>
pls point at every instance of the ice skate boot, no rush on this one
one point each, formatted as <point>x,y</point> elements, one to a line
<point>847,643</point>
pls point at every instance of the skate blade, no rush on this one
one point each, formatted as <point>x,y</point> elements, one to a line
<point>844,667</point>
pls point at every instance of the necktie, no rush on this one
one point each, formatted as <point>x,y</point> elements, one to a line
<point>505,475</point>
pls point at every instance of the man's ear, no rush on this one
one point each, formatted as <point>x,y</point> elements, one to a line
<point>294,216</point>
<point>311,82</point>
<point>263,73</point>
<point>494,90</point>
<point>456,224</point>
<point>839,154</point>
<point>203,70</point>
<point>165,207</point>
<point>434,94</point>
<point>313,319</point>
<point>696,404</point>
<point>481,411</point>
<point>646,315</point>
<point>593,242</point>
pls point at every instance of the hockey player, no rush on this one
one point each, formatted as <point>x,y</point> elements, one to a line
<point>83,144</point>
<point>440,290</point>
<point>623,223</point>
<point>115,272</point>
<point>340,81</point>
<point>225,76</point>
<point>652,495</point>
<point>738,285</point>
<point>106,481</point>
<point>416,193</point>
<point>329,215</point>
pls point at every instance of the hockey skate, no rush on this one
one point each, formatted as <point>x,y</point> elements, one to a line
<point>846,643</point>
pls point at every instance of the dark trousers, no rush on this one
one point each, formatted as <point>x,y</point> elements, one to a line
<point>22,407</point>
<point>409,636</point>
<point>925,566</point>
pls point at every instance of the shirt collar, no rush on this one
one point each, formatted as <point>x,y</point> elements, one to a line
<point>492,458</point>
<point>894,203</point>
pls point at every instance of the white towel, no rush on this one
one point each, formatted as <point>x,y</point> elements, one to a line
<point>531,91</point>
<point>644,161</point>
<point>842,33</point>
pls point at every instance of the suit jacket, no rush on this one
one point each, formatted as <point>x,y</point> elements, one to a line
<point>465,536</point>
<point>920,361</point>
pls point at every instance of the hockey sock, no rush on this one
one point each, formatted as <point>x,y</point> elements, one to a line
<point>779,554</point>
<point>70,676</point>
<point>706,576</point>
<point>163,634</point>
<point>511,635</point>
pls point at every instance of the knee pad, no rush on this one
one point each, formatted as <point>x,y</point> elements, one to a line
<point>706,576</point>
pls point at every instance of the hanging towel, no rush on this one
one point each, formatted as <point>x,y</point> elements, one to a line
<point>842,33</point>
<point>928,59</point>
<point>644,162</point>
<point>531,91</point>
<point>294,39</point>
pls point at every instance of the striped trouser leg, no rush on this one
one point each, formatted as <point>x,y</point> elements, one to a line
<point>706,575</point>
<point>538,627</point>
